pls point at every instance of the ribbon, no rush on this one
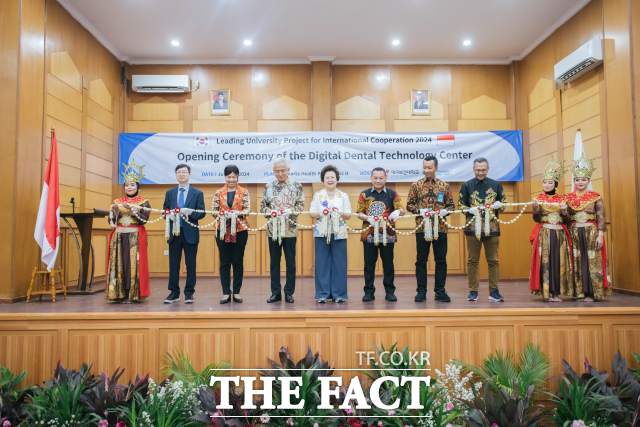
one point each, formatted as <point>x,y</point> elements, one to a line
<point>335,224</point>
<point>176,222</point>
<point>384,231</point>
<point>278,222</point>
<point>379,222</point>
<point>167,223</point>
<point>487,221</point>
<point>427,226</point>
<point>478,224</point>
<point>222,225</point>
<point>436,225</point>
<point>233,215</point>
<point>223,217</point>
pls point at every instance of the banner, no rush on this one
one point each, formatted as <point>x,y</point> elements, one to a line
<point>354,154</point>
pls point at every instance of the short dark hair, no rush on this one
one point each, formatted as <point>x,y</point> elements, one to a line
<point>329,168</point>
<point>481,160</point>
<point>183,165</point>
<point>229,169</point>
<point>379,169</point>
<point>431,158</point>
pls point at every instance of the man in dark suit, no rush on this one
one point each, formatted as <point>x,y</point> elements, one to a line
<point>186,198</point>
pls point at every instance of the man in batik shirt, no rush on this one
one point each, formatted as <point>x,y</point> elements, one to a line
<point>280,200</point>
<point>430,199</point>
<point>482,196</point>
<point>380,205</point>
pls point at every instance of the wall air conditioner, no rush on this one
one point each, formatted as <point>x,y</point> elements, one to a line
<point>160,83</point>
<point>583,59</point>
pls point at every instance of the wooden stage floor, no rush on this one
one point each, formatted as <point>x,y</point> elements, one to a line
<point>85,328</point>
<point>255,291</point>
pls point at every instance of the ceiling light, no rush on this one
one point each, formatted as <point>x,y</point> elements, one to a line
<point>467,42</point>
<point>395,42</point>
<point>259,77</point>
<point>247,42</point>
<point>175,43</point>
<point>381,77</point>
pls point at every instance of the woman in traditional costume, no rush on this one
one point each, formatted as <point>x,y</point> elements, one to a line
<point>551,261</point>
<point>128,265</point>
<point>587,228</point>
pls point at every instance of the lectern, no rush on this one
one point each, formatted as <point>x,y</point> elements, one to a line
<point>84,224</point>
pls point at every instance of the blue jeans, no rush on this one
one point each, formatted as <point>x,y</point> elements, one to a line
<point>331,268</point>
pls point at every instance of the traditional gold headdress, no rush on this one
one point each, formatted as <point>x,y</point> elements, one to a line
<point>132,172</point>
<point>583,168</point>
<point>553,170</point>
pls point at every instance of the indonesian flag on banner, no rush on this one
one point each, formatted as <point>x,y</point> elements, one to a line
<point>47,232</point>
<point>578,149</point>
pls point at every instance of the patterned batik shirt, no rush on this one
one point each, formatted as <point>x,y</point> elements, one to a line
<point>430,193</point>
<point>283,195</point>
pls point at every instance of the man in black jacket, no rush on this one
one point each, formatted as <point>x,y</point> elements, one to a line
<point>187,199</point>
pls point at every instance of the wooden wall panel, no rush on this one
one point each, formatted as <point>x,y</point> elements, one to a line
<point>108,349</point>
<point>297,340</point>
<point>472,344</point>
<point>202,345</point>
<point>20,347</point>
<point>573,343</point>
<point>622,169</point>
<point>248,339</point>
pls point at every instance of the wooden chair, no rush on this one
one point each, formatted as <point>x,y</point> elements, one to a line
<point>43,282</point>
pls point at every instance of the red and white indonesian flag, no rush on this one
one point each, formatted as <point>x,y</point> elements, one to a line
<point>47,232</point>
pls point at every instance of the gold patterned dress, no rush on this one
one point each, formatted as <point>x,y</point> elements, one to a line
<point>551,263</point>
<point>586,211</point>
<point>127,262</point>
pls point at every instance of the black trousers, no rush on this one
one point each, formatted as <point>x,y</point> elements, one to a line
<point>371,252</point>
<point>232,254</point>
<point>288,246</point>
<point>176,247</point>
<point>422,254</point>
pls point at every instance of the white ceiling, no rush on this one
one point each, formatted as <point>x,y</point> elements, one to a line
<point>346,31</point>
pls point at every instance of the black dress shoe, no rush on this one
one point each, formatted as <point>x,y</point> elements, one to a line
<point>236,298</point>
<point>390,298</point>
<point>289,298</point>
<point>443,297</point>
<point>226,299</point>
<point>420,297</point>
<point>274,298</point>
<point>172,297</point>
<point>368,298</point>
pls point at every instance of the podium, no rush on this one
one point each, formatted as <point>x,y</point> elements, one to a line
<point>84,224</point>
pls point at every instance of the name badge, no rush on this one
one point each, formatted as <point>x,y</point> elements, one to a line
<point>441,197</point>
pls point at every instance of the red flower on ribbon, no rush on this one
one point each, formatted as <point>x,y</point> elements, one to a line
<point>274,214</point>
<point>325,211</point>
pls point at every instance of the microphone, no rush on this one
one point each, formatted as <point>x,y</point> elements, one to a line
<point>73,205</point>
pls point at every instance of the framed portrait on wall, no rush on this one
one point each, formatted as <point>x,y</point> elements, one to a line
<point>220,100</point>
<point>420,102</point>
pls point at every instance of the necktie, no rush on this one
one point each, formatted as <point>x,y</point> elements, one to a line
<point>181,198</point>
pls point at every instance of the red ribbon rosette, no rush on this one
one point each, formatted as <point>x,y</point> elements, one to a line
<point>177,210</point>
<point>376,218</point>
<point>274,214</point>
<point>325,211</point>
